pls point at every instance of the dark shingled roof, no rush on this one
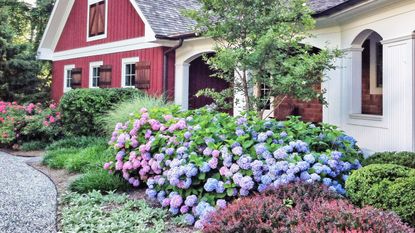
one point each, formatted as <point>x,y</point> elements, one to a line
<point>166,19</point>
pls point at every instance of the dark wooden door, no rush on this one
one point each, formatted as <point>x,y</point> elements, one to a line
<point>199,79</point>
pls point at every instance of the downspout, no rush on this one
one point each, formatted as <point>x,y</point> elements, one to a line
<point>166,68</point>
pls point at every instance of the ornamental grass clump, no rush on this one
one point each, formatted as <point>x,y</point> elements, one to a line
<point>194,162</point>
<point>301,208</point>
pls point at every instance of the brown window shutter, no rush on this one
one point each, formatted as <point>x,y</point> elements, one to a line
<point>76,81</point>
<point>101,18</point>
<point>142,70</point>
<point>92,20</point>
<point>105,76</point>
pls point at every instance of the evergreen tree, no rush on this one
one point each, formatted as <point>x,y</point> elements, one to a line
<point>22,77</point>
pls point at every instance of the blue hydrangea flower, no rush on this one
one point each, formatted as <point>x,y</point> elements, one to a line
<point>280,153</point>
<point>205,167</point>
<point>262,137</point>
<point>309,158</point>
<point>327,181</point>
<point>191,200</point>
<point>189,219</point>
<point>266,179</point>
<point>304,176</point>
<point>170,151</point>
<point>211,184</point>
<point>187,135</point>
<point>283,134</point>
<point>260,148</point>
<point>315,177</point>
<point>237,150</point>
<point>239,132</point>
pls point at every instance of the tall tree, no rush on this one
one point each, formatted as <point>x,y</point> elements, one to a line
<point>261,43</point>
<point>22,77</point>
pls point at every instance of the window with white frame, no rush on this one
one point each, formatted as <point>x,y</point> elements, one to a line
<point>265,97</point>
<point>129,71</point>
<point>67,77</point>
<point>367,74</point>
<point>97,19</point>
<point>94,74</point>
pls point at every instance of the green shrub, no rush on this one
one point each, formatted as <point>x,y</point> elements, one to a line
<point>80,108</point>
<point>403,158</point>
<point>33,145</point>
<point>123,111</point>
<point>385,186</point>
<point>90,158</point>
<point>98,180</point>
<point>76,142</point>
<point>94,212</point>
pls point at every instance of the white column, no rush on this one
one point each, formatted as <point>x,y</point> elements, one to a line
<point>181,86</point>
<point>354,57</point>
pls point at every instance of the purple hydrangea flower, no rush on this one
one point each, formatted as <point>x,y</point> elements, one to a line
<point>221,204</point>
<point>309,158</point>
<point>187,135</point>
<point>239,132</point>
<point>205,167</point>
<point>176,201</point>
<point>211,184</point>
<point>191,200</point>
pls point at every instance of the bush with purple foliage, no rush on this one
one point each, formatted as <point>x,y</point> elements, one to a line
<point>301,208</point>
<point>194,162</point>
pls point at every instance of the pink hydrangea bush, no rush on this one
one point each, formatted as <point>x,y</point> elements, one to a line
<point>20,123</point>
<point>195,162</point>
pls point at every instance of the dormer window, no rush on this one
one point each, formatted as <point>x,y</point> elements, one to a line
<point>97,19</point>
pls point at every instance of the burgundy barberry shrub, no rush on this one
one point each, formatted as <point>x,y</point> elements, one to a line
<point>301,208</point>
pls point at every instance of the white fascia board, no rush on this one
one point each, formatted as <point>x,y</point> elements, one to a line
<point>108,48</point>
<point>55,26</point>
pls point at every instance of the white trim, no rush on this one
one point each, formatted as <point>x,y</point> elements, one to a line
<point>107,48</point>
<point>124,62</point>
<point>65,77</point>
<point>366,117</point>
<point>99,37</point>
<point>399,39</point>
<point>91,66</point>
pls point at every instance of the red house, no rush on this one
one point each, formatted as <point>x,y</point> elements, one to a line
<point>146,44</point>
<point>114,43</point>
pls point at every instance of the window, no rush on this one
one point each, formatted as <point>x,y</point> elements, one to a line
<point>129,73</point>
<point>366,79</point>
<point>94,74</point>
<point>67,77</point>
<point>265,99</point>
<point>97,19</point>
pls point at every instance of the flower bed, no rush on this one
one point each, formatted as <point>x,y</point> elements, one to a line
<point>196,161</point>
<point>20,123</point>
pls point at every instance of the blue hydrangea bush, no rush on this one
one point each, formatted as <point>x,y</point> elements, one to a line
<point>194,162</point>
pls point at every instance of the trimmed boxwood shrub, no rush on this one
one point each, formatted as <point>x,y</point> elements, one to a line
<point>385,186</point>
<point>403,158</point>
<point>81,107</point>
<point>301,208</point>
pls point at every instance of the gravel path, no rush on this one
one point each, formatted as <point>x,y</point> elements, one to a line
<point>27,198</point>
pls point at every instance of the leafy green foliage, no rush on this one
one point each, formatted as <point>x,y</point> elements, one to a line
<point>22,77</point>
<point>403,158</point>
<point>81,107</point>
<point>98,180</point>
<point>76,143</point>
<point>56,159</point>
<point>90,158</point>
<point>94,212</point>
<point>261,43</point>
<point>385,186</point>
<point>123,111</point>
<point>33,146</point>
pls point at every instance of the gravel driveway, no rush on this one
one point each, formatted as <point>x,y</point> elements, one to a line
<point>27,197</point>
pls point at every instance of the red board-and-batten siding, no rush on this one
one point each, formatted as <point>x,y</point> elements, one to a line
<point>155,55</point>
<point>123,23</point>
